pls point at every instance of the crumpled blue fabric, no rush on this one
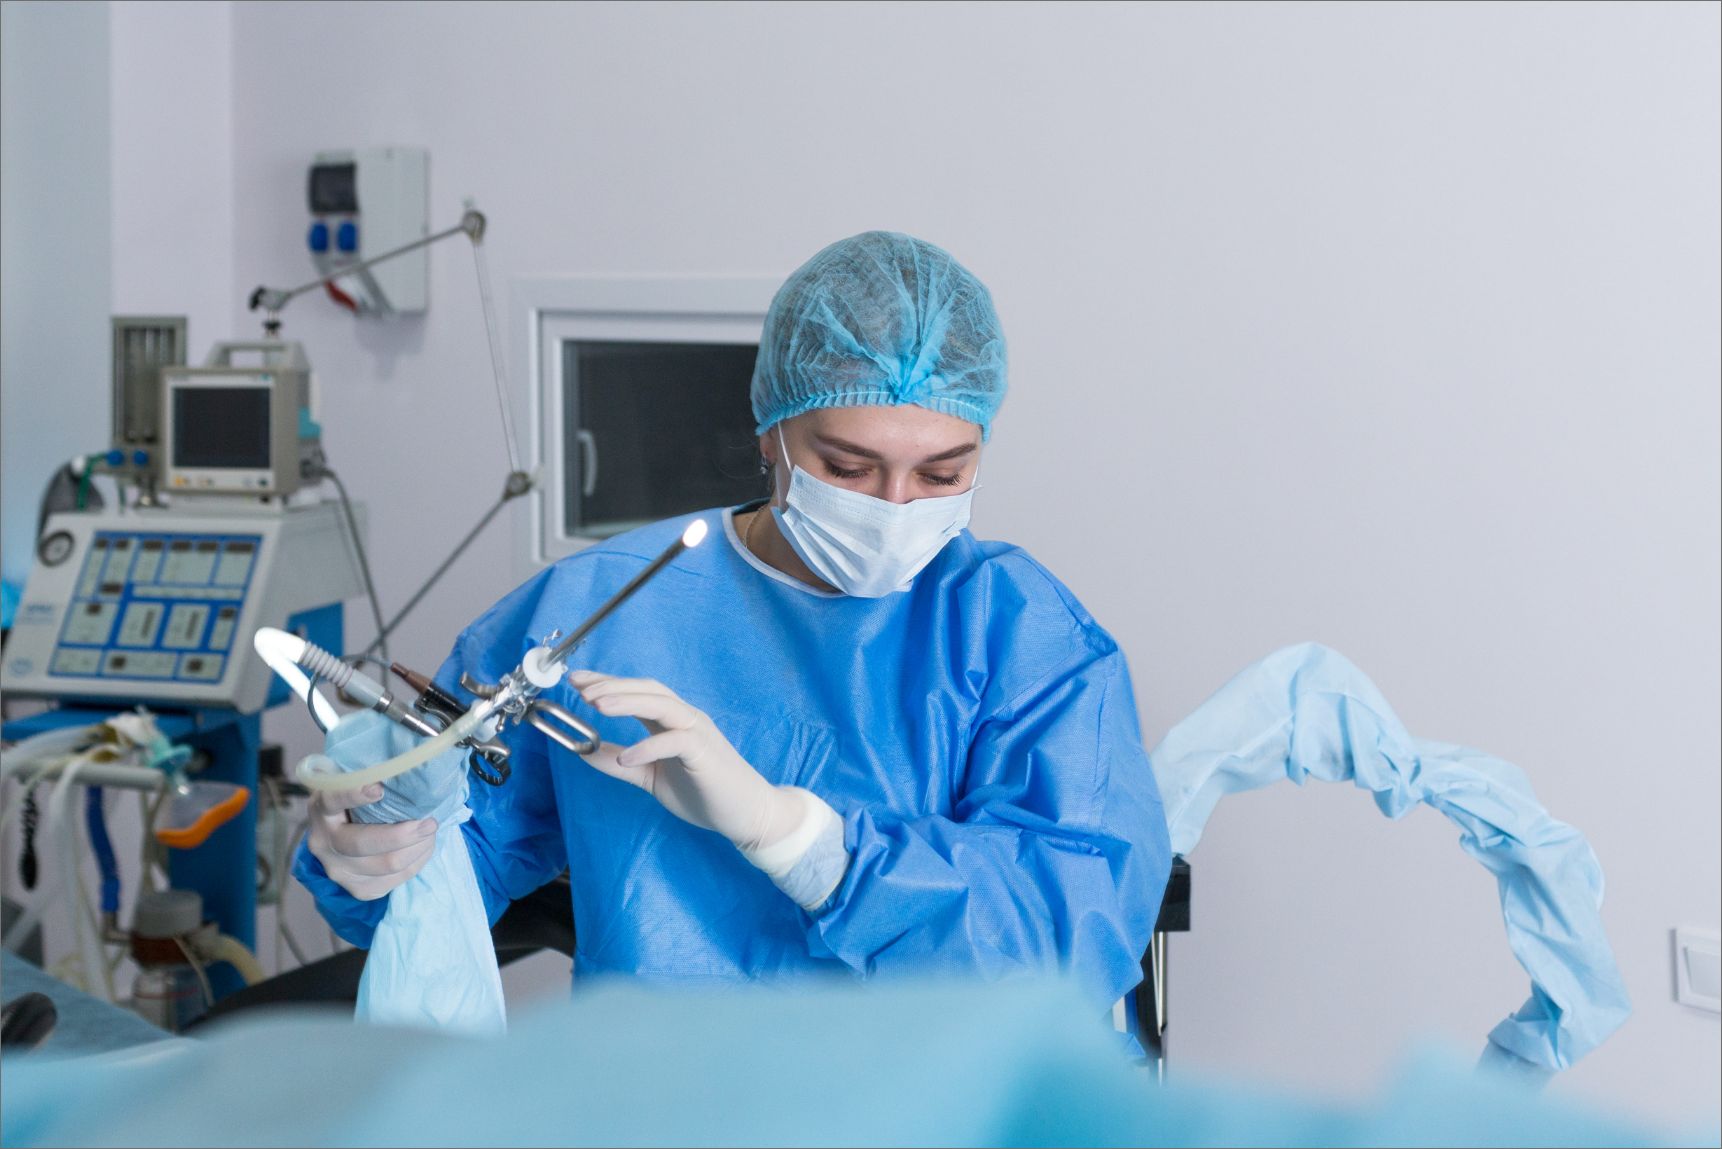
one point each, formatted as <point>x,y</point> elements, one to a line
<point>432,962</point>
<point>977,733</point>
<point>880,319</point>
<point>1306,712</point>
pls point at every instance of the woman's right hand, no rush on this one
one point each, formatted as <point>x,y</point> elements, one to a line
<point>367,859</point>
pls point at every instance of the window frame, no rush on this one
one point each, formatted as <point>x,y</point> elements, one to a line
<point>648,309</point>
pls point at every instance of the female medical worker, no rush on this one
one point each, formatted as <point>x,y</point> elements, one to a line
<point>876,744</point>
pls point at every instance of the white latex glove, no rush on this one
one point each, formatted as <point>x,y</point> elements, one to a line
<point>365,859</point>
<point>689,766</point>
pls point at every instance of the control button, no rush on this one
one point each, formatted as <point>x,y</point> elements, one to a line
<point>185,626</point>
<point>119,562</point>
<point>221,633</point>
<point>202,667</point>
<point>91,576</point>
<point>139,664</point>
<point>90,623</point>
<point>235,565</point>
<point>188,563</point>
<point>72,661</point>
<point>318,240</point>
<point>347,236</point>
<point>141,623</point>
<point>147,569</point>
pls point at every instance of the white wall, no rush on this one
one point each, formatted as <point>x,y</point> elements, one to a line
<point>173,165</point>
<point>54,253</point>
<point>139,98</point>
<point>1392,327</point>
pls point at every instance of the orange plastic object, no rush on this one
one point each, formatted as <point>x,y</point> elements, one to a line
<point>199,814</point>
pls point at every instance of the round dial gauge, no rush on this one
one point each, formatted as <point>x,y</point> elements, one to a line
<point>56,548</point>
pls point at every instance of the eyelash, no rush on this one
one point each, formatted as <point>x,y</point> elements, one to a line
<point>837,472</point>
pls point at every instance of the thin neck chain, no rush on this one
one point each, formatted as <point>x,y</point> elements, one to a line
<point>747,535</point>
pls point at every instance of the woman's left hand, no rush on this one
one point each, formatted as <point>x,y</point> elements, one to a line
<point>686,763</point>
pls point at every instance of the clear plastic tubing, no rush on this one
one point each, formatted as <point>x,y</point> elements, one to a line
<point>316,776</point>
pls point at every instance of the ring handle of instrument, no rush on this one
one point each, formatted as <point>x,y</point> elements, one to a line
<point>503,769</point>
<point>540,715</point>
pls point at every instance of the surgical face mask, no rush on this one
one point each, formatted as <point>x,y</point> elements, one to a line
<point>864,546</point>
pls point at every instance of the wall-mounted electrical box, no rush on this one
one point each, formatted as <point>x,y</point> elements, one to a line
<point>363,203</point>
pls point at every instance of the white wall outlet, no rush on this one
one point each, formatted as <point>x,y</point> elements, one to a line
<point>1698,969</point>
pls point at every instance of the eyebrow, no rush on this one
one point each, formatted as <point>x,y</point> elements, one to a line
<point>849,448</point>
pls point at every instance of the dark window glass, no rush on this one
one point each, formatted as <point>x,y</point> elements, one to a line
<point>654,430</point>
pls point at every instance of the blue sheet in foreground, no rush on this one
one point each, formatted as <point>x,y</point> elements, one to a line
<point>83,1024</point>
<point>1014,1064</point>
<point>1306,712</point>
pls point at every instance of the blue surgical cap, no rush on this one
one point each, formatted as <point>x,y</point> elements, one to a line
<point>880,319</point>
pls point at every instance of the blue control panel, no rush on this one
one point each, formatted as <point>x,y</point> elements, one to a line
<point>156,607</point>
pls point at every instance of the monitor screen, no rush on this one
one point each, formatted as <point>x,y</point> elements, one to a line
<point>221,427</point>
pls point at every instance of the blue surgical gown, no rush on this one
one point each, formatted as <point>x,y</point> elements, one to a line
<point>977,733</point>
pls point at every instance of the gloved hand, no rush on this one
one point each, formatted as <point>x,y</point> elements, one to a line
<point>367,860</point>
<point>369,852</point>
<point>689,766</point>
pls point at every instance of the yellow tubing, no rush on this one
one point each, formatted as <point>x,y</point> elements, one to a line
<point>461,727</point>
<point>233,952</point>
